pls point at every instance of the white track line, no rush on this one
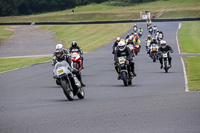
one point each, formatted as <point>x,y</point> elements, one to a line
<point>183,64</point>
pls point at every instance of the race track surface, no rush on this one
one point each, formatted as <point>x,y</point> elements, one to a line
<point>30,101</point>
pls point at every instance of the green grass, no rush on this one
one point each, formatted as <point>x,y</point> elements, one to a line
<point>88,37</point>
<point>106,11</point>
<point>12,63</point>
<point>193,72</point>
<point>4,34</point>
<point>189,37</point>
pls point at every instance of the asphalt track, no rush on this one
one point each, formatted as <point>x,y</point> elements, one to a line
<point>31,102</point>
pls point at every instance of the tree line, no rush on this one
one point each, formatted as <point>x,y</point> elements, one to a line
<point>26,7</point>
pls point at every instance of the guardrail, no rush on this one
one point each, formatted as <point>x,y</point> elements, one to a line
<point>99,22</point>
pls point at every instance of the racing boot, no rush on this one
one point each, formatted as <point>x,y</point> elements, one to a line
<point>161,66</point>
<point>134,74</point>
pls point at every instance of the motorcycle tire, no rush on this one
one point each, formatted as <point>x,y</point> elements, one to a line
<point>81,93</point>
<point>124,78</point>
<point>154,58</point>
<point>165,66</point>
<point>67,91</point>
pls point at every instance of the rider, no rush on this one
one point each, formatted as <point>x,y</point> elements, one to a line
<point>154,28</point>
<point>124,51</point>
<point>140,30</point>
<point>64,52</point>
<point>115,44</point>
<point>135,35</point>
<point>130,40</point>
<point>154,41</point>
<point>75,48</point>
<point>161,33</point>
<point>137,40</point>
<point>164,47</point>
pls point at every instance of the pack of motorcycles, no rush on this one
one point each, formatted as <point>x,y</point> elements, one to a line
<point>71,85</point>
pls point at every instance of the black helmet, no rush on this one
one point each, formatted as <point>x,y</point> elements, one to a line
<point>74,44</point>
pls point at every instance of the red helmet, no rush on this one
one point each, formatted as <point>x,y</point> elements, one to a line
<point>118,39</point>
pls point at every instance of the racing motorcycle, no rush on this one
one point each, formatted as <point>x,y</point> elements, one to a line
<point>165,61</point>
<point>69,82</point>
<point>150,30</point>
<point>131,47</point>
<point>148,42</point>
<point>137,48</point>
<point>135,29</point>
<point>154,52</point>
<point>124,70</point>
<point>76,61</point>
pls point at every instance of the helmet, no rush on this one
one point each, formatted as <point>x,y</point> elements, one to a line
<point>130,39</point>
<point>149,36</point>
<point>122,40</point>
<point>118,39</point>
<point>59,46</point>
<point>59,53</point>
<point>163,43</point>
<point>74,44</point>
<point>121,45</point>
<point>135,34</point>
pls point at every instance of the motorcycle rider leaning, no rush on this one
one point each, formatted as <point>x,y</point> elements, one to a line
<point>164,47</point>
<point>75,48</point>
<point>63,52</point>
<point>124,51</point>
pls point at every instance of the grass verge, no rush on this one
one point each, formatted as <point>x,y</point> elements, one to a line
<point>4,34</point>
<point>189,37</point>
<point>193,72</point>
<point>13,63</point>
<point>88,37</point>
<point>107,11</point>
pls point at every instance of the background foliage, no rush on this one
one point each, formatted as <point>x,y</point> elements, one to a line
<point>25,7</point>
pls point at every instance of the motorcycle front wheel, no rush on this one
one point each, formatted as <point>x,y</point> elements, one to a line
<point>81,93</point>
<point>124,78</point>
<point>67,91</point>
<point>165,66</point>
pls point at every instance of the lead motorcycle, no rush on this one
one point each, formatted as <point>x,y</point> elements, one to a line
<point>124,70</point>
<point>165,61</point>
<point>69,82</point>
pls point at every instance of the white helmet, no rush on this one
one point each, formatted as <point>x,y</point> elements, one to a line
<point>121,45</point>
<point>163,43</point>
<point>59,46</point>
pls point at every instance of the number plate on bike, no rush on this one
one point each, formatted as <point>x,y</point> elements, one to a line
<point>74,54</point>
<point>154,48</point>
<point>122,60</point>
<point>165,55</point>
<point>60,71</point>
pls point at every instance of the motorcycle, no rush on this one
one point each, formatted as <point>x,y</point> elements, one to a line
<point>69,82</point>
<point>150,30</point>
<point>135,29</point>
<point>124,70</point>
<point>148,42</point>
<point>154,52</point>
<point>165,61</point>
<point>131,47</point>
<point>154,29</point>
<point>137,48</point>
<point>76,61</point>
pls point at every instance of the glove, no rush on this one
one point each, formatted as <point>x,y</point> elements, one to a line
<point>75,70</point>
<point>172,51</point>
